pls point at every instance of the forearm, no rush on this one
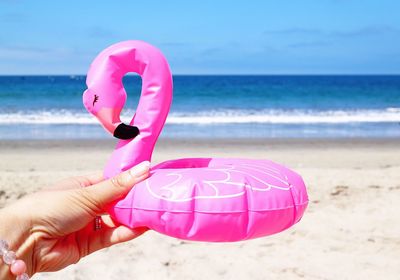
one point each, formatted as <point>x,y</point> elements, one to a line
<point>16,232</point>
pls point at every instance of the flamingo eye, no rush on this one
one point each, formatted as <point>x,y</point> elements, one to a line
<point>96,98</point>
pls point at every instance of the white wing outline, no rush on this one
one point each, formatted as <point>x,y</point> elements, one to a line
<point>180,173</point>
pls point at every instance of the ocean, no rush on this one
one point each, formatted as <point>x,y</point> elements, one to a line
<point>50,107</point>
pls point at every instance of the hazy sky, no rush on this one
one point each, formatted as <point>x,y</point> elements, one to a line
<point>205,37</point>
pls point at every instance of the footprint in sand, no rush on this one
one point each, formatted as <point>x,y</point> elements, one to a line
<point>338,190</point>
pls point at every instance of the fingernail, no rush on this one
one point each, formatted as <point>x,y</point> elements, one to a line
<point>140,169</point>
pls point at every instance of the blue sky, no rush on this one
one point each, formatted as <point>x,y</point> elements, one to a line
<point>205,37</point>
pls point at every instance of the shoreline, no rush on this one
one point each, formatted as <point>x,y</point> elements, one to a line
<point>273,142</point>
<point>294,153</point>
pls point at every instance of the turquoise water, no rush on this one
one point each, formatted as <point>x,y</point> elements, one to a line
<point>44,107</point>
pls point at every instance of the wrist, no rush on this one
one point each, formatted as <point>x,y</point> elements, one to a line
<point>15,229</point>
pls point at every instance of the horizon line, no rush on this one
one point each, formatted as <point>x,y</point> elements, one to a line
<point>227,74</point>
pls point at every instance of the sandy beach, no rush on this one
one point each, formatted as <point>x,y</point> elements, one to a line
<point>351,229</point>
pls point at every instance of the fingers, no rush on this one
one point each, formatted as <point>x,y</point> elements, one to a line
<point>111,236</point>
<point>105,192</point>
<point>78,182</point>
<point>88,180</point>
<point>108,221</point>
<point>122,234</point>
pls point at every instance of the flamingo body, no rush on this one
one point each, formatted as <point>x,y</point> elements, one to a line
<point>201,199</point>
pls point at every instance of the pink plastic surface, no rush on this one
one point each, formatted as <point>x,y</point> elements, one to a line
<point>202,199</point>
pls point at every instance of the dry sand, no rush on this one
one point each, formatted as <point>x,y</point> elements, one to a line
<point>351,229</point>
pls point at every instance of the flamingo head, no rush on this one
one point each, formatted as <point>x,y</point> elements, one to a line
<point>108,115</point>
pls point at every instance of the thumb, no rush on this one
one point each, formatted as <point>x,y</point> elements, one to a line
<point>105,192</point>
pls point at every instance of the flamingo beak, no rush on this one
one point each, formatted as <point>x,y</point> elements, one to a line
<point>109,118</point>
<point>126,132</point>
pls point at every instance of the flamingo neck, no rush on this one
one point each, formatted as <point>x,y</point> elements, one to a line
<point>154,102</point>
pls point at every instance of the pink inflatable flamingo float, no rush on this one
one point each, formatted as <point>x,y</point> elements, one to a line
<point>203,199</point>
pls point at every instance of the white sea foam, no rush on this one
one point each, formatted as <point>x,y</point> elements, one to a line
<point>216,117</point>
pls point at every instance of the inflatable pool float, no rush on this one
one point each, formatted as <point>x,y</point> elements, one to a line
<point>202,199</point>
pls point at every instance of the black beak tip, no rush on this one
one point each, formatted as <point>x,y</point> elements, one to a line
<point>126,132</point>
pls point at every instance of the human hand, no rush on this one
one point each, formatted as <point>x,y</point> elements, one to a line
<point>54,228</point>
